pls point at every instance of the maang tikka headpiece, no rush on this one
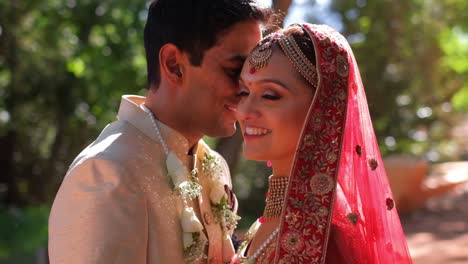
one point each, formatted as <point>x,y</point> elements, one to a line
<point>261,54</point>
<point>264,50</point>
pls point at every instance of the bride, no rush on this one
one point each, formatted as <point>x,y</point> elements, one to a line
<point>303,107</point>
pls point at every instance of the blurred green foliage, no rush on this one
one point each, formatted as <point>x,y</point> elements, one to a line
<point>63,67</point>
<point>22,230</point>
<point>413,58</point>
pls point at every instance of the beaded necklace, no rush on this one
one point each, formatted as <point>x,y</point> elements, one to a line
<point>275,197</point>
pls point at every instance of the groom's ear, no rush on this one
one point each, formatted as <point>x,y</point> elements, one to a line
<point>170,61</point>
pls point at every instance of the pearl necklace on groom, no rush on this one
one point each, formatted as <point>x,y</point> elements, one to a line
<point>187,186</point>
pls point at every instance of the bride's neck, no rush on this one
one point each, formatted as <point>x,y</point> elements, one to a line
<point>282,168</point>
<point>275,197</point>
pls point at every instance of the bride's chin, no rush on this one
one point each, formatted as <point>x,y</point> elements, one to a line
<point>256,156</point>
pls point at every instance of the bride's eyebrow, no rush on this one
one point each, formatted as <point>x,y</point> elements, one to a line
<point>279,83</point>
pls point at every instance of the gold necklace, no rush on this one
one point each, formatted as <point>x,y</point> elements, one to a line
<point>275,196</point>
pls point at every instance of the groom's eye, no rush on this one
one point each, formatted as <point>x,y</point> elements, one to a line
<point>233,73</point>
<point>243,94</point>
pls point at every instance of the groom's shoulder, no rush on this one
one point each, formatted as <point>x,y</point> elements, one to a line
<point>118,141</point>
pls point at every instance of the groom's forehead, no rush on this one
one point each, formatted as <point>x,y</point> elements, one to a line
<point>226,56</point>
<point>240,38</point>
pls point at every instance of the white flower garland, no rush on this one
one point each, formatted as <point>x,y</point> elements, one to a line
<point>187,186</point>
<point>219,201</point>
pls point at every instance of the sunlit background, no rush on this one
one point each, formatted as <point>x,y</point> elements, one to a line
<point>65,64</point>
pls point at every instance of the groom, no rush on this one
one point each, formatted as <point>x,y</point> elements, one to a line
<point>148,189</point>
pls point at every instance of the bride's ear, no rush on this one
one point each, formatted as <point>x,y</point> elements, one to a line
<point>171,63</point>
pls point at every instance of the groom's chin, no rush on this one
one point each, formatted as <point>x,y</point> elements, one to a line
<point>222,131</point>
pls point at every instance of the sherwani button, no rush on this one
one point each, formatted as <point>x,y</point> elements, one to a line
<point>208,218</point>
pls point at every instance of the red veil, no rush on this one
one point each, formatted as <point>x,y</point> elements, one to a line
<point>339,206</point>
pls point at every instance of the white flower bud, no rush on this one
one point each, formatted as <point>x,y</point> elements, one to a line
<point>188,239</point>
<point>176,169</point>
<point>189,221</point>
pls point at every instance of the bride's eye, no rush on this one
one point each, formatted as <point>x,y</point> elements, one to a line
<point>272,97</point>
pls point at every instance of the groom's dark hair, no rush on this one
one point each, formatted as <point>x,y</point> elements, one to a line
<point>194,26</point>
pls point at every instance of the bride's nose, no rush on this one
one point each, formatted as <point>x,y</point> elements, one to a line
<point>247,109</point>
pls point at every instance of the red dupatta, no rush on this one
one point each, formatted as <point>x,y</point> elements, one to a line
<point>339,206</point>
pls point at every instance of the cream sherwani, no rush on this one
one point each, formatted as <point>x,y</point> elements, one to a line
<point>116,203</point>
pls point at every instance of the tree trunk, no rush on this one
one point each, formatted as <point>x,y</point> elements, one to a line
<point>7,146</point>
<point>9,141</point>
<point>281,7</point>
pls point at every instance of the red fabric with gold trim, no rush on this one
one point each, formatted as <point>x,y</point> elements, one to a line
<point>339,207</point>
